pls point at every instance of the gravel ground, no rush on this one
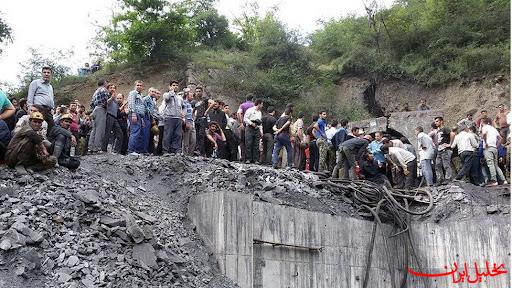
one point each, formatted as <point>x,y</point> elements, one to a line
<point>120,221</point>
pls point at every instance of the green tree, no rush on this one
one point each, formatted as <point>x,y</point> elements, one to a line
<point>148,30</point>
<point>427,41</point>
<point>5,33</point>
<point>212,29</point>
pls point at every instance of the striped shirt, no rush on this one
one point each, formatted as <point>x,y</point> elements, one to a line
<point>100,96</point>
<point>136,103</point>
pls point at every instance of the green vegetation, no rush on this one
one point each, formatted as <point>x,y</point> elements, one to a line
<point>422,41</point>
<point>5,33</point>
<point>425,41</point>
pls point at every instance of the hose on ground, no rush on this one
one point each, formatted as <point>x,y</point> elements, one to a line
<point>381,202</point>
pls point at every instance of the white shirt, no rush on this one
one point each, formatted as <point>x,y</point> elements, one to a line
<point>397,143</point>
<point>330,133</point>
<point>465,141</point>
<point>425,147</point>
<point>252,114</point>
<point>492,135</point>
<point>400,156</point>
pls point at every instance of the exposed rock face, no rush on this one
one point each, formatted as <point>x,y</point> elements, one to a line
<point>92,228</point>
<point>455,99</point>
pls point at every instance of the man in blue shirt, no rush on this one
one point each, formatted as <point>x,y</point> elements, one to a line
<point>374,148</point>
<point>321,141</point>
<point>136,112</point>
<point>189,133</point>
<point>150,118</point>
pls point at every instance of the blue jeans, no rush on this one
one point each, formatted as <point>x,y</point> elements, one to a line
<point>173,134</point>
<point>146,132</point>
<point>281,140</point>
<point>426,170</point>
<point>136,141</point>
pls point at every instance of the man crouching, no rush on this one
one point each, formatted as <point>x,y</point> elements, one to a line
<point>62,140</point>
<point>27,149</point>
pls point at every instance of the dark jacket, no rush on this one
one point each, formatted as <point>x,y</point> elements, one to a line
<point>356,145</point>
<point>22,148</point>
<point>218,116</point>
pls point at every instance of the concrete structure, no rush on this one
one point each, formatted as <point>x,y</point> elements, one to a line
<point>402,122</point>
<point>265,245</point>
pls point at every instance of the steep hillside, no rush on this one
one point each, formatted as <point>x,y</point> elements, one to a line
<point>456,99</point>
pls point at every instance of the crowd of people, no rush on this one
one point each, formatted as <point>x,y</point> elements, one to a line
<point>35,134</point>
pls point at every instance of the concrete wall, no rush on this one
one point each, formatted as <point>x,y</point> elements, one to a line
<point>240,232</point>
<point>371,125</point>
<point>224,222</point>
<point>402,122</point>
<point>406,122</point>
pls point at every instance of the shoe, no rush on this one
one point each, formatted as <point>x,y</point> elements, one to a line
<point>275,167</point>
<point>505,183</point>
<point>134,154</point>
<point>247,162</point>
<point>492,184</point>
<point>21,170</point>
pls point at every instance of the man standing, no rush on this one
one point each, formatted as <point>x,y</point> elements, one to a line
<point>500,121</point>
<point>252,121</point>
<point>492,138</point>
<point>374,148</point>
<point>113,129</point>
<point>172,116</point>
<point>214,113</point>
<point>136,111</point>
<point>75,123</point>
<point>26,149</point>
<point>338,138</point>
<point>282,132</point>
<point>62,140</point>
<point>150,117</point>
<point>99,116</point>
<point>466,144</point>
<point>189,134</point>
<point>321,141</point>
<point>423,105</point>
<point>230,134</point>
<point>40,92</point>
<point>444,152</point>
<point>478,121</point>
<point>200,119</point>
<point>240,114</point>
<point>299,142</point>
<point>426,154</point>
<point>267,123</point>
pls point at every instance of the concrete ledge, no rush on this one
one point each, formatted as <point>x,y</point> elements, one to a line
<point>230,222</point>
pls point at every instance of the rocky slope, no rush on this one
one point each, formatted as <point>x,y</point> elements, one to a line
<point>386,96</point>
<point>120,221</point>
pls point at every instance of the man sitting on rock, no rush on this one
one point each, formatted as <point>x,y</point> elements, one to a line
<point>62,140</point>
<point>26,149</point>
